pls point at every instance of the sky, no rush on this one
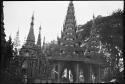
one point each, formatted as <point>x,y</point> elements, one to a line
<point>50,15</point>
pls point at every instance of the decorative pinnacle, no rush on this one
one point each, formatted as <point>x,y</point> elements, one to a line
<point>32,19</point>
<point>31,37</point>
<point>39,37</point>
<point>44,40</point>
<point>33,16</point>
<point>18,31</point>
<point>40,28</point>
<point>93,21</point>
<point>71,2</point>
<point>93,16</point>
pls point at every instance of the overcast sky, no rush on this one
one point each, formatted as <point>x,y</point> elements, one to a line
<point>50,15</point>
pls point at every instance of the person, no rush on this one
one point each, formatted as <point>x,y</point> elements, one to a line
<point>64,76</point>
<point>70,76</point>
<point>81,77</point>
<point>93,78</point>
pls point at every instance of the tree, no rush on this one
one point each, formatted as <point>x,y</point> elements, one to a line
<point>2,37</point>
<point>111,35</point>
<point>12,71</point>
<point>9,51</point>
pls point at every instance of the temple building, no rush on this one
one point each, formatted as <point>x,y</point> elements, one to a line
<point>70,63</point>
<point>34,65</point>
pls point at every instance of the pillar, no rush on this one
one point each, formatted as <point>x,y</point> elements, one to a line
<point>52,73</point>
<point>90,73</point>
<point>86,73</point>
<point>77,73</point>
<point>99,75</point>
<point>59,69</point>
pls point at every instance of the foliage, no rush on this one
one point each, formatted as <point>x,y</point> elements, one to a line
<point>12,71</point>
<point>82,35</point>
<point>52,48</point>
<point>12,74</point>
<point>9,51</point>
<point>111,36</point>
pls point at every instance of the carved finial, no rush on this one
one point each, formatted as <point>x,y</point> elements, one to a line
<point>71,2</point>
<point>44,39</point>
<point>33,16</point>
<point>93,16</point>
<point>40,28</point>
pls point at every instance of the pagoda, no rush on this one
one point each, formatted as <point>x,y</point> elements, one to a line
<point>69,46</point>
<point>28,54</point>
<point>34,63</point>
<point>68,39</point>
<point>79,66</point>
<point>17,43</point>
<point>39,38</point>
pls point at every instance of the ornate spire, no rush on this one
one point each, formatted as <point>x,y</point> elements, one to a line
<point>93,21</point>
<point>68,35</point>
<point>93,29</point>
<point>32,23</point>
<point>70,21</point>
<point>44,45</point>
<point>31,37</point>
<point>44,41</point>
<point>16,40</point>
<point>71,3</point>
<point>39,37</point>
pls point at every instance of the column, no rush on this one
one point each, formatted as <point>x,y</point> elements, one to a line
<point>99,75</point>
<point>90,73</point>
<point>59,68</point>
<point>53,73</point>
<point>86,72</point>
<point>77,73</point>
